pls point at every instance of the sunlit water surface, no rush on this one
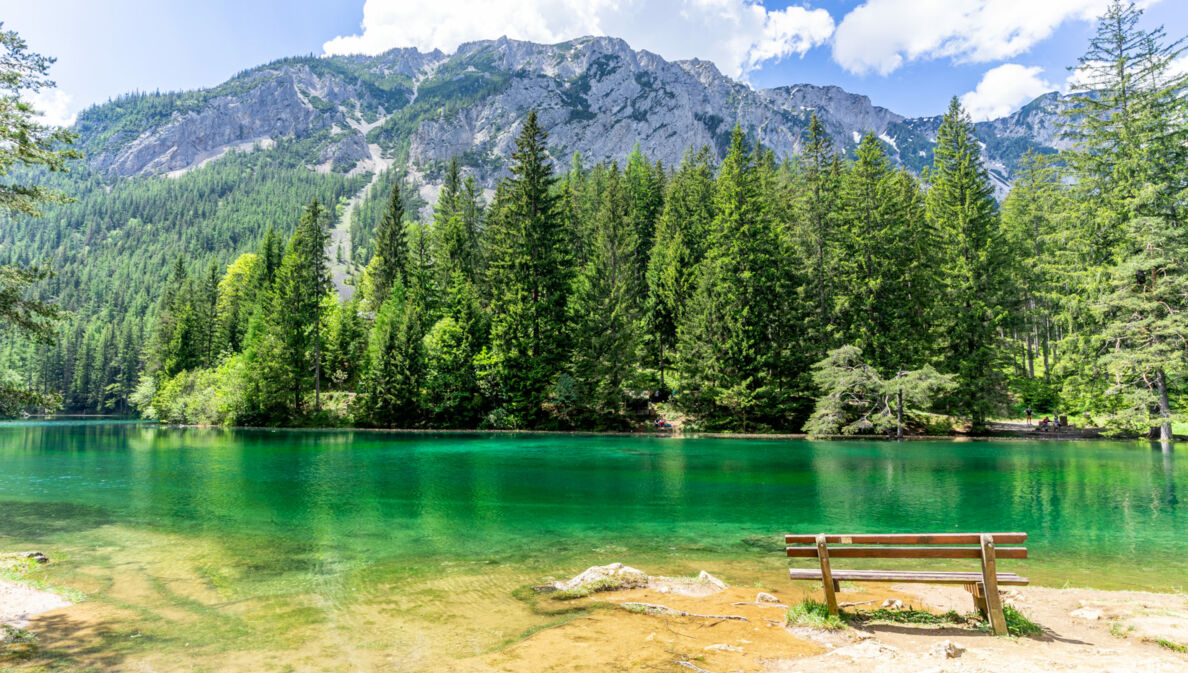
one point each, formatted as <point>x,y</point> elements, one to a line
<point>311,550</point>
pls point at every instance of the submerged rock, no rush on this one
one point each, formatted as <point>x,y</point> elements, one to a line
<point>35,555</point>
<point>764,597</point>
<point>709,579</point>
<point>893,604</point>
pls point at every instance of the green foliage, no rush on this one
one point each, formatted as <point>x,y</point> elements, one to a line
<point>1019,625</point>
<point>575,302</point>
<point>961,207</point>
<point>856,399</point>
<point>814,614</point>
<point>737,353</point>
<point>530,271</point>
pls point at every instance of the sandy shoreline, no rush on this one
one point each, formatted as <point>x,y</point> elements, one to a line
<point>701,625</point>
<point>20,603</point>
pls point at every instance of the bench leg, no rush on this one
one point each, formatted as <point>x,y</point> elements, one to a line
<point>827,576</point>
<point>990,587</point>
<point>979,598</point>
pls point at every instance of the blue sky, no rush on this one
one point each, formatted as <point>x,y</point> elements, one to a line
<point>908,55</point>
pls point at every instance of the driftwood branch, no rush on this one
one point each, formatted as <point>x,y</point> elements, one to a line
<point>692,666</point>
<point>763,605</point>
<point>654,609</point>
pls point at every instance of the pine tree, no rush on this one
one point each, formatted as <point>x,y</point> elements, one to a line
<point>529,276</point>
<point>681,237</point>
<point>961,207</point>
<point>1131,170</point>
<point>390,262</point>
<point>644,187</point>
<point>309,243</point>
<point>606,306</point>
<point>733,372</point>
<point>820,172</point>
<point>392,389</point>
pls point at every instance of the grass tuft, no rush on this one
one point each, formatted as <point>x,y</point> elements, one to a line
<point>1174,647</point>
<point>1018,624</point>
<point>809,612</point>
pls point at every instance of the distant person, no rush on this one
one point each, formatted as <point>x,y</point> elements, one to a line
<point>1028,412</point>
<point>1043,425</point>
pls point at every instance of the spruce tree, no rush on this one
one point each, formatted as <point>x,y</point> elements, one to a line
<point>390,260</point>
<point>606,307</point>
<point>680,243</point>
<point>392,389</point>
<point>733,373</point>
<point>820,172</point>
<point>962,209</point>
<point>529,276</point>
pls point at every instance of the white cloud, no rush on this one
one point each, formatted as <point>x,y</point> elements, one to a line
<point>881,35</point>
<point>737,35</point>
<point>1004,89</point>
<point>55,107</point>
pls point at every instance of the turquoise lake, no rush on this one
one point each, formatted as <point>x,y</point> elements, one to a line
<point>255,534</point>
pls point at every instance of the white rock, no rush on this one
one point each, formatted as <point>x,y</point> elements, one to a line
<point>867,649</point>
<point>1086,613</point>
<point>893,604</point>
<point>946,649</point>
<point>764,597</point>
<point>723,647</point>
<point>709,579</point>
<point>624,576</point>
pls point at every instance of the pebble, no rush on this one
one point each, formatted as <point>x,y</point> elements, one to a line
<point>946,649</point>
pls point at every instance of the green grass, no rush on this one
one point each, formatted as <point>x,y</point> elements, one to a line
<point>1018,624</point>
<point>814,614</point>
<point>1174,647</point>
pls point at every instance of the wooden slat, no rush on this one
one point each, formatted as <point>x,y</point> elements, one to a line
<point>1009,579</point>
<point>907,552</point>
<point>910,538</point>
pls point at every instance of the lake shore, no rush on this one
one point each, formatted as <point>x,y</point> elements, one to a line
<point>699,624</point>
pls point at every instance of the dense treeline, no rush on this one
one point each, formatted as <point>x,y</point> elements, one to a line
<point>743,293</point>
<point>114,246</point>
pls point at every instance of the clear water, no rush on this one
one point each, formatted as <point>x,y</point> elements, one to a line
<point>267,535</point>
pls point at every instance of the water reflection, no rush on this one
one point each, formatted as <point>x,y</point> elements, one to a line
<point>314,502</point>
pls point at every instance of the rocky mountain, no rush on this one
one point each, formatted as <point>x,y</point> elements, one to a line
<point>594,95</point>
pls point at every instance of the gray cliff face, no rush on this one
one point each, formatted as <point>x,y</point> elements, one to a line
<point>596,96</point>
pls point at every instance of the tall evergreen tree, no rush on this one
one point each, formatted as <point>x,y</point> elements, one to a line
<point>961,207</point>
<point>820,173</point>
<point>606,307</point>
<point>389,263</point>
<point>681,237</point>
<point>530,275</point>
<point>733,374</point>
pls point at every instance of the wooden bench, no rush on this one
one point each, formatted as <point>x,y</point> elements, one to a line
<point>983,585</point>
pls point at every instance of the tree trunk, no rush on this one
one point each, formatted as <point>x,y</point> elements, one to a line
<point>1047,339</point>
<point>317,359</point>
<point>1165,429</point>
<point>899,417</point>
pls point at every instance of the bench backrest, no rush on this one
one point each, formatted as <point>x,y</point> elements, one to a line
<point>936,545</point>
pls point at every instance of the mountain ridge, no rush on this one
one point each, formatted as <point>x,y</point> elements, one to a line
<point>595,95</point>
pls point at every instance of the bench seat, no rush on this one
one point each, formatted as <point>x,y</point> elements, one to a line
<point>904,576</point>
<point>983,586</point>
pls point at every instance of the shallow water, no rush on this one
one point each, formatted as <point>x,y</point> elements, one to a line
<point>216,550</point>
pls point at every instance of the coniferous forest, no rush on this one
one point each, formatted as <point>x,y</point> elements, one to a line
<point>823,292</point>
